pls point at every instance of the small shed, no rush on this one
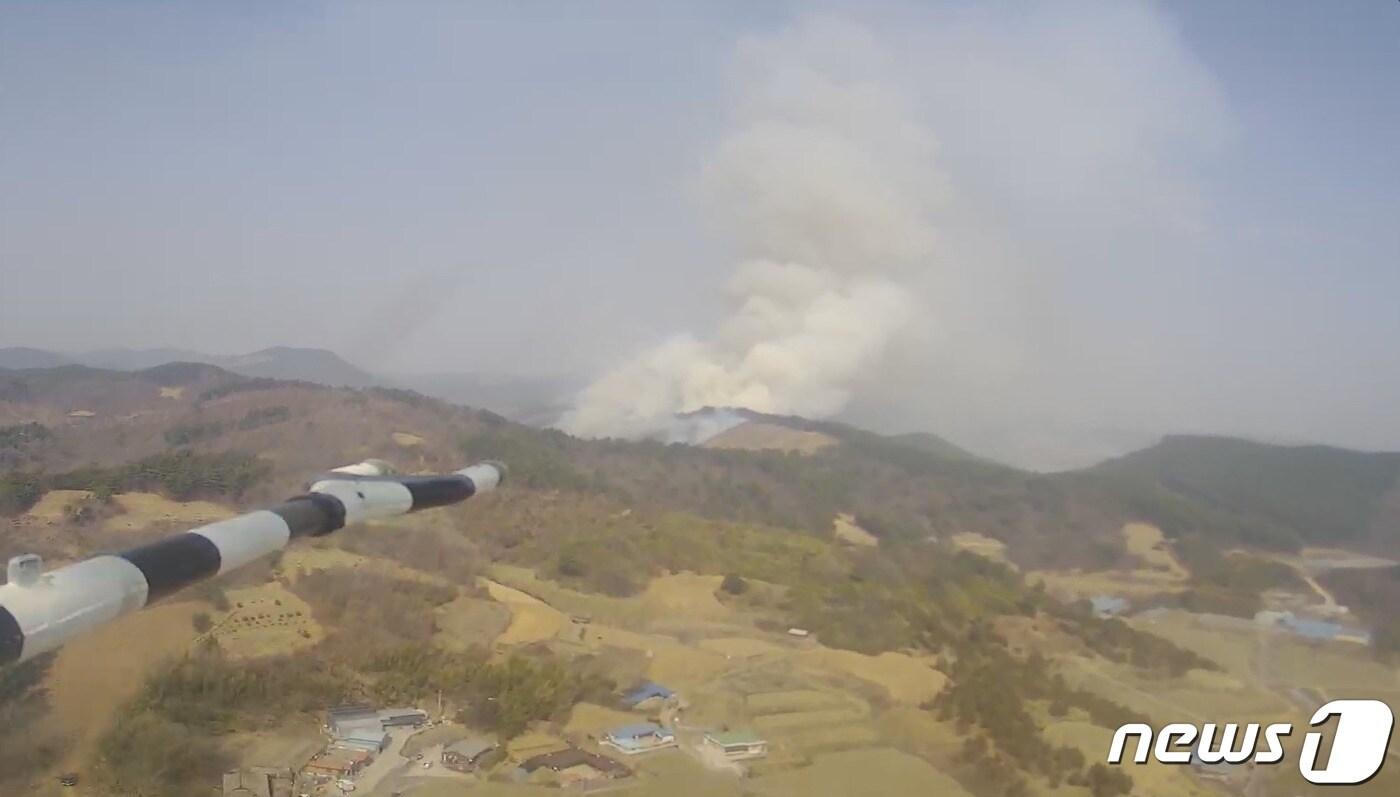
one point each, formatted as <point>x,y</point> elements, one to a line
<point>400,717</point>
<point>466,755</point>
<point>737,745</point>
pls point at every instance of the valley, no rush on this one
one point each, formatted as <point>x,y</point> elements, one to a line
<point>885,619</point>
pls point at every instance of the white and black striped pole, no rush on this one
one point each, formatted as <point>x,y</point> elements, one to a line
<point>40,611</point>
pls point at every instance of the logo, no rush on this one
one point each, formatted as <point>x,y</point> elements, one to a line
<point>1359,745</point>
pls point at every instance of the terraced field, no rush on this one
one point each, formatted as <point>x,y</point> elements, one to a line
<point>266,620</point>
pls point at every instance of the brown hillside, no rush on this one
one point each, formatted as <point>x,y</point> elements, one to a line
<point>759,436</point>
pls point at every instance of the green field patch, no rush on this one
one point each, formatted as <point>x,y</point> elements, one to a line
<point>880,771</point>
<point>797,720</point>
<point>817,739</point>
<point>794,700</point>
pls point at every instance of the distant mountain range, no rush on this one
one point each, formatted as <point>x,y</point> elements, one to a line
<point>1254,493</point>
<point>279,362</point>
<point>1236,491</point>
<point>532,400</point>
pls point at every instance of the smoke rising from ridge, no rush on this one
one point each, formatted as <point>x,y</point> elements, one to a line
<point>827,185</point>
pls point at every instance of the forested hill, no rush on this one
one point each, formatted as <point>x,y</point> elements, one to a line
<point>56,425</point>
<point>1265,494</point>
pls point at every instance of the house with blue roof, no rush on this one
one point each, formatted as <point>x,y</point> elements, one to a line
<point>646,692</point>
<point>644,737</point>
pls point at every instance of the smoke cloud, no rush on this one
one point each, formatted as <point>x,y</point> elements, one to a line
<point>827,186</point>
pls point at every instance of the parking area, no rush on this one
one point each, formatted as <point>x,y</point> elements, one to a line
<point>399,775</point>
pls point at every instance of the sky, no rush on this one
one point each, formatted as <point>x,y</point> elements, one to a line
<point>1047,231</point>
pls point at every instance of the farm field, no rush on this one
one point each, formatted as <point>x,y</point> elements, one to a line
<point>881,771</point>
<point>302,560</point>
<point>589,718</point>
<point>53,506</point>
<point>289,747</point>
<point>1146,543</point>
<point>904,678</point>
<point>1159,574</point>
<point>531,619</point>
<point>140,510</point>
<point>468,621</point>
<point>266,620</point>
<point>760,436</point>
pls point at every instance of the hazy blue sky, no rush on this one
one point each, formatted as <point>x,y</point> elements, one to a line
<point>1174,216</point>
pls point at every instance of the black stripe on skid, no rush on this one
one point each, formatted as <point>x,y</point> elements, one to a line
<point>11,638</point>
<point>312,515</point>
<point>174,563</point>
<point>431,491</point>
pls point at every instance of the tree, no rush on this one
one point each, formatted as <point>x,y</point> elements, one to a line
<point>734,584</point>
<point>1106,782</point>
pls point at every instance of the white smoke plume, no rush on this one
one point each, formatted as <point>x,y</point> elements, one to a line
<point>827,184</point>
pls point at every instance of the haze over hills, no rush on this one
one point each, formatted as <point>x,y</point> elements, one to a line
<point>890,550</point>
<point>278,362</point>
<point>1239,491</point>
<point>534,400</point>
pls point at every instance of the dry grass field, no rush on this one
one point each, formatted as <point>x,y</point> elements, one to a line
<point>533,743</point>
<point>918,732</point>
<point>803,722</point>
<point>981,545</point>
<point>266,620</point>
<point>627,612</point>
<point>681,598</point>
<point>742,647</point>
<point>658,775</point>
<point>140,510</point>
<point>1160,572</point>
<point>588,719</point>
<point>1147,544</point>
<point>793,700</point>
<point>288,747</point>
<point>1078,584</point>
<point>670,662</point>
<point>467,622</point>
<point>687,595</point>
<point>1236,695</point>
<point>407,439</point>
<point>54,505</point>
<point>846,530</point>
<point>531,619</point>
<point>776,724</point>
<point>906,679</point>
<point>300,560</point>
<point>96,674</point>
<point>880,771</point>
<point>760,436</point>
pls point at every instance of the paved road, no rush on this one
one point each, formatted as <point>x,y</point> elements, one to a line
<point>410,773</point>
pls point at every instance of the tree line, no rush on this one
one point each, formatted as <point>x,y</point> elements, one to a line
<point>182,475</point>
